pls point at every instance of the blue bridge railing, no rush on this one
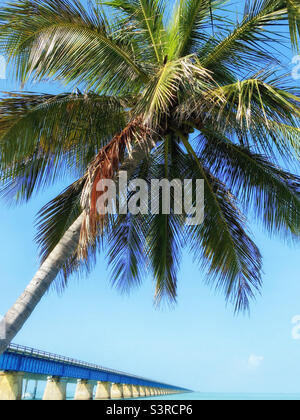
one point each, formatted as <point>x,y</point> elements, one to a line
<point>36,362</point>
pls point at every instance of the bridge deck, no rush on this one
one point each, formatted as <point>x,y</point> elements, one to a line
<point>36,363</point>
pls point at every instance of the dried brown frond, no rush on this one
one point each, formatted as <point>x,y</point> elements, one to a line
<point>106,166</point>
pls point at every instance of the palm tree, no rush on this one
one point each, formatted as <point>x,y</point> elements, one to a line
<point>184,94</point>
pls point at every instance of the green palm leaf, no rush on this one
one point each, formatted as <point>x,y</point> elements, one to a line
<point>43,137</point>
<point>126,252</point>
<point>58,38</point>
<point>294,22</point>
<point>186,33</point>
<point>256,96</point>
<point>147,16</point>
<point>126,241</point>
<point>164,231</point>
<point>221,242</point>
<point>182,77</point>
<point>270,192</point>
<point>244,46</point>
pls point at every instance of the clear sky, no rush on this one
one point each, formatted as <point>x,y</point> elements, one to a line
<point>198,344</point>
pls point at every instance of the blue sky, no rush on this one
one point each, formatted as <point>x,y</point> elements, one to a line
<point>199,344</point>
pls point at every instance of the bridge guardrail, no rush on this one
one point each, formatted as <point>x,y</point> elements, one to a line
<point>28,351</point>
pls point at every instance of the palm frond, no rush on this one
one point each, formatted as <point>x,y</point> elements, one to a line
<point>44,136</point>
<point>125,235</point>
<point>221,242</point>
<point>182,77</point>
<point>187,26</point>
<point>147,17</point>
<point>57,123</point>
<point>59,38</point>
<point>164,252</point>
<point>105,166</point>
<point>253,100</point>
<point>164,234</point>
<point>263,111</point>
<point>293,9</point>
<point>245,46</point>
<point>20,181</point>
<point>126,251</point>
<point>286,138</point>
<point>271,193</point>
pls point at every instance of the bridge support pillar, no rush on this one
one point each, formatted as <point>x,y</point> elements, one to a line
<point>11,386</point>
<point>24,394</point>
<point>135,391</point>
<point>116,392</point>
<point>35,390</point>
<point>127,391</point>
<point>103,391</point>
<point>141,391</point>
<point>55,389</point>
<point>84,390</point>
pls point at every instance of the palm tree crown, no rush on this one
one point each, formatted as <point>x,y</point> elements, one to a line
<point>149,78</point>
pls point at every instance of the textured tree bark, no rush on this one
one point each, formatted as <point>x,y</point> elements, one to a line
<point>18,314</point>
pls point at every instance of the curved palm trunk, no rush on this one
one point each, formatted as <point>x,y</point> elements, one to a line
<point>16,317</point>
<point>18,314</point>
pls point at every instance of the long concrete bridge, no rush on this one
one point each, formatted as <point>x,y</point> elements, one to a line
<point>19,364</point>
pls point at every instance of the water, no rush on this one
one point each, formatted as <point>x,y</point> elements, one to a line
<point>215,397</point>
<point>229,397</point>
